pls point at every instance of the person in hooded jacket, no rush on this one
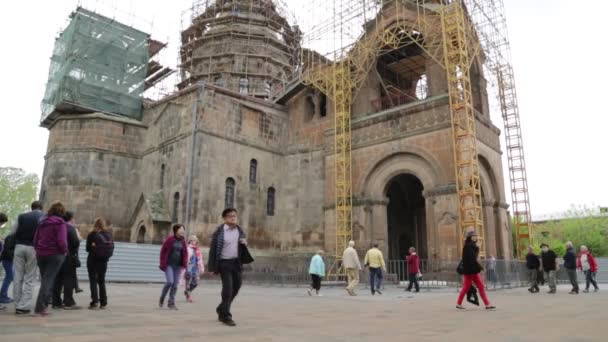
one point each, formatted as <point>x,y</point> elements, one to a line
<point>471,270</point>
<point>51,245</point>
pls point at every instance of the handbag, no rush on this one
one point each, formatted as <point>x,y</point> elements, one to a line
<point>460,268</point>
<point>419,276</point>
<point>76,261</point>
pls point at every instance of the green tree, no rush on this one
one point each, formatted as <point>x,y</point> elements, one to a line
<point>581,225</point>
<point>17,191</point>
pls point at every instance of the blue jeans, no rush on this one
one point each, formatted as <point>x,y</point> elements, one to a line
<point>8,278</point>
<point>172,274</point>
<point>375,274</point>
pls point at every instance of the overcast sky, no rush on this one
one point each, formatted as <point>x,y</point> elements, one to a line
<point>558,50</point>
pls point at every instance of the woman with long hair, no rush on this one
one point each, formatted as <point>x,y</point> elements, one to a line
<point>173,259</point>
<point>471,270</point>
<point>100,247</point>
<point>51,245</point>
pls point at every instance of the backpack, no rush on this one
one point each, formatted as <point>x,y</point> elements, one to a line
<point>104,246</point>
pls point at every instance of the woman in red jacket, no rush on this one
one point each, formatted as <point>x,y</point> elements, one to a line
<point>586,263</point>
<point>173,259</point>
<point>413,268</point>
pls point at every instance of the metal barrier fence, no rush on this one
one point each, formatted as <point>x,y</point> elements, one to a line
<point>138,263</point>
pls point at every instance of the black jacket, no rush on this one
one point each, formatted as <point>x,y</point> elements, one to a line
<point>8,250</point>
<point>73,241</point>
<point>548,259</point>
<point>26,227</point>
<point>570,259</point>
<point>532,261</point>
<point>215,250</point>
<point>470,253</point>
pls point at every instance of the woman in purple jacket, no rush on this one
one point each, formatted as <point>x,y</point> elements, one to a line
<point>51,245</point>
<point>173,259</point>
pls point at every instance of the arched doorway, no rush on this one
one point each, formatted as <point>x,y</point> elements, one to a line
<point>406,216</point>
<point>141,234</point>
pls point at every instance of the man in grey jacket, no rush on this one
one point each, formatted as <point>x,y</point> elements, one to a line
<point>352,265</point>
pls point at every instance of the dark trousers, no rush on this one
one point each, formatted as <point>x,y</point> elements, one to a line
<point>97,280</point>
<point>590,279</point>
<point>413,278</point>
<point>316,282</point>
<point>65,282</point>
<point>572,278</point>
<point>375,278</point>
<point>8,278</point>
<point>230,272</point>
<point>49,267</point>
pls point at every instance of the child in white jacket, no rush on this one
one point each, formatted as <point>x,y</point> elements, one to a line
<point>195,267</point>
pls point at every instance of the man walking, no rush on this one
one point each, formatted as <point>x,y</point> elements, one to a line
<point>24,260</point>
<point>375,261</point>
<point>352,265</point>
<point>549,265</point>
<point>227,254</point>
<point>413,268</point>
<point>532,264</point>
<point>570,266</point>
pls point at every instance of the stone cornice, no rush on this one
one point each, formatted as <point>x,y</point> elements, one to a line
<point>440,190</point>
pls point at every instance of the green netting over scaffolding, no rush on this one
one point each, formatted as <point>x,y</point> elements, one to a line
<point>98,65</point>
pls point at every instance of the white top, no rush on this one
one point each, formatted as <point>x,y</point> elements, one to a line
<point>585,262</point>
<point>230,249</point>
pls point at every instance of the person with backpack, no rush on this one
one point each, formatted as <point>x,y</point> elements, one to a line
<point>173,259</point>
<point>100,247</point>
<point>65,280</point>
<point>8,251</point>
<point>51,246</point>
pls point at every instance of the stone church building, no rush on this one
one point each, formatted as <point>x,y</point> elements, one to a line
<point>263,143</point>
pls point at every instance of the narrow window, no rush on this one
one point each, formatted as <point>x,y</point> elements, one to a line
<point>162,176</point>
<point>270,202</point>
<point>229,199</point>
<point>323,109</point>
<point>244,86</point>
<point>174,219</point>
<point>253,171</point>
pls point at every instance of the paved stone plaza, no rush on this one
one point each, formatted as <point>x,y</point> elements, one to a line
<point>289,314</point>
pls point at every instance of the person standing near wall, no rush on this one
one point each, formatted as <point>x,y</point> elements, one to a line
<point>24,260</point>
<point>375,261</point>
<point>549,266</point>
<point>532,264</point>
<point>173,259</point>
<point>471,270</point>
<point>227,255</point>
<point>413,268</point>
<point>352,265</point>
<point>570,266</point>
<point>586,263</point>
<point>51,245</point>
<point>317,272</point>
<point>67,273</point>
<point>100,247</point>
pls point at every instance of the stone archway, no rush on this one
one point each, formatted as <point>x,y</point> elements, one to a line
<point>141,234</point>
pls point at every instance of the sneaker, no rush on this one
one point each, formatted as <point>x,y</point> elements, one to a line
<point>319,295</point>
<point>596,290</point>
<point>490,307</point>
<point>160,303</point>
<point>2,308</point>
<point>43,313</point>
<point>573,292</point>
<point>172,306</point>
<point>460,307</point>
<point>552,291</point>
<point>57,307</point>
<point>309,291</point>
<point>531,290</point>
<point>103,307</point>
<point>93,306</point>
<point>586,291</point>
<point>78,290</point>
<point>22,312</point>
<point>229,322</point>
<point>72,307</point>
<point>380,293</point>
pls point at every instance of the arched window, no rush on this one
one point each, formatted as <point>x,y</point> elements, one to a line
<point>162,176</point>
<point>174,219</point>
<point>270,202</point>
<point>253,171</point>
<point>229,199</point>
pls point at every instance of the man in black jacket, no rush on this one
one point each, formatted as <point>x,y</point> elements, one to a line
<point>227,253</point>
<point>66,278</point>
<point>570,266</point>
<point>24,261</point>
<point>532,264</point>
<point>549,265</point>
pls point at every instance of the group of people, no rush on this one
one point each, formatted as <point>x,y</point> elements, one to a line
<point>48,243</point>
<point>546,266</point>
<point>182,260</point>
